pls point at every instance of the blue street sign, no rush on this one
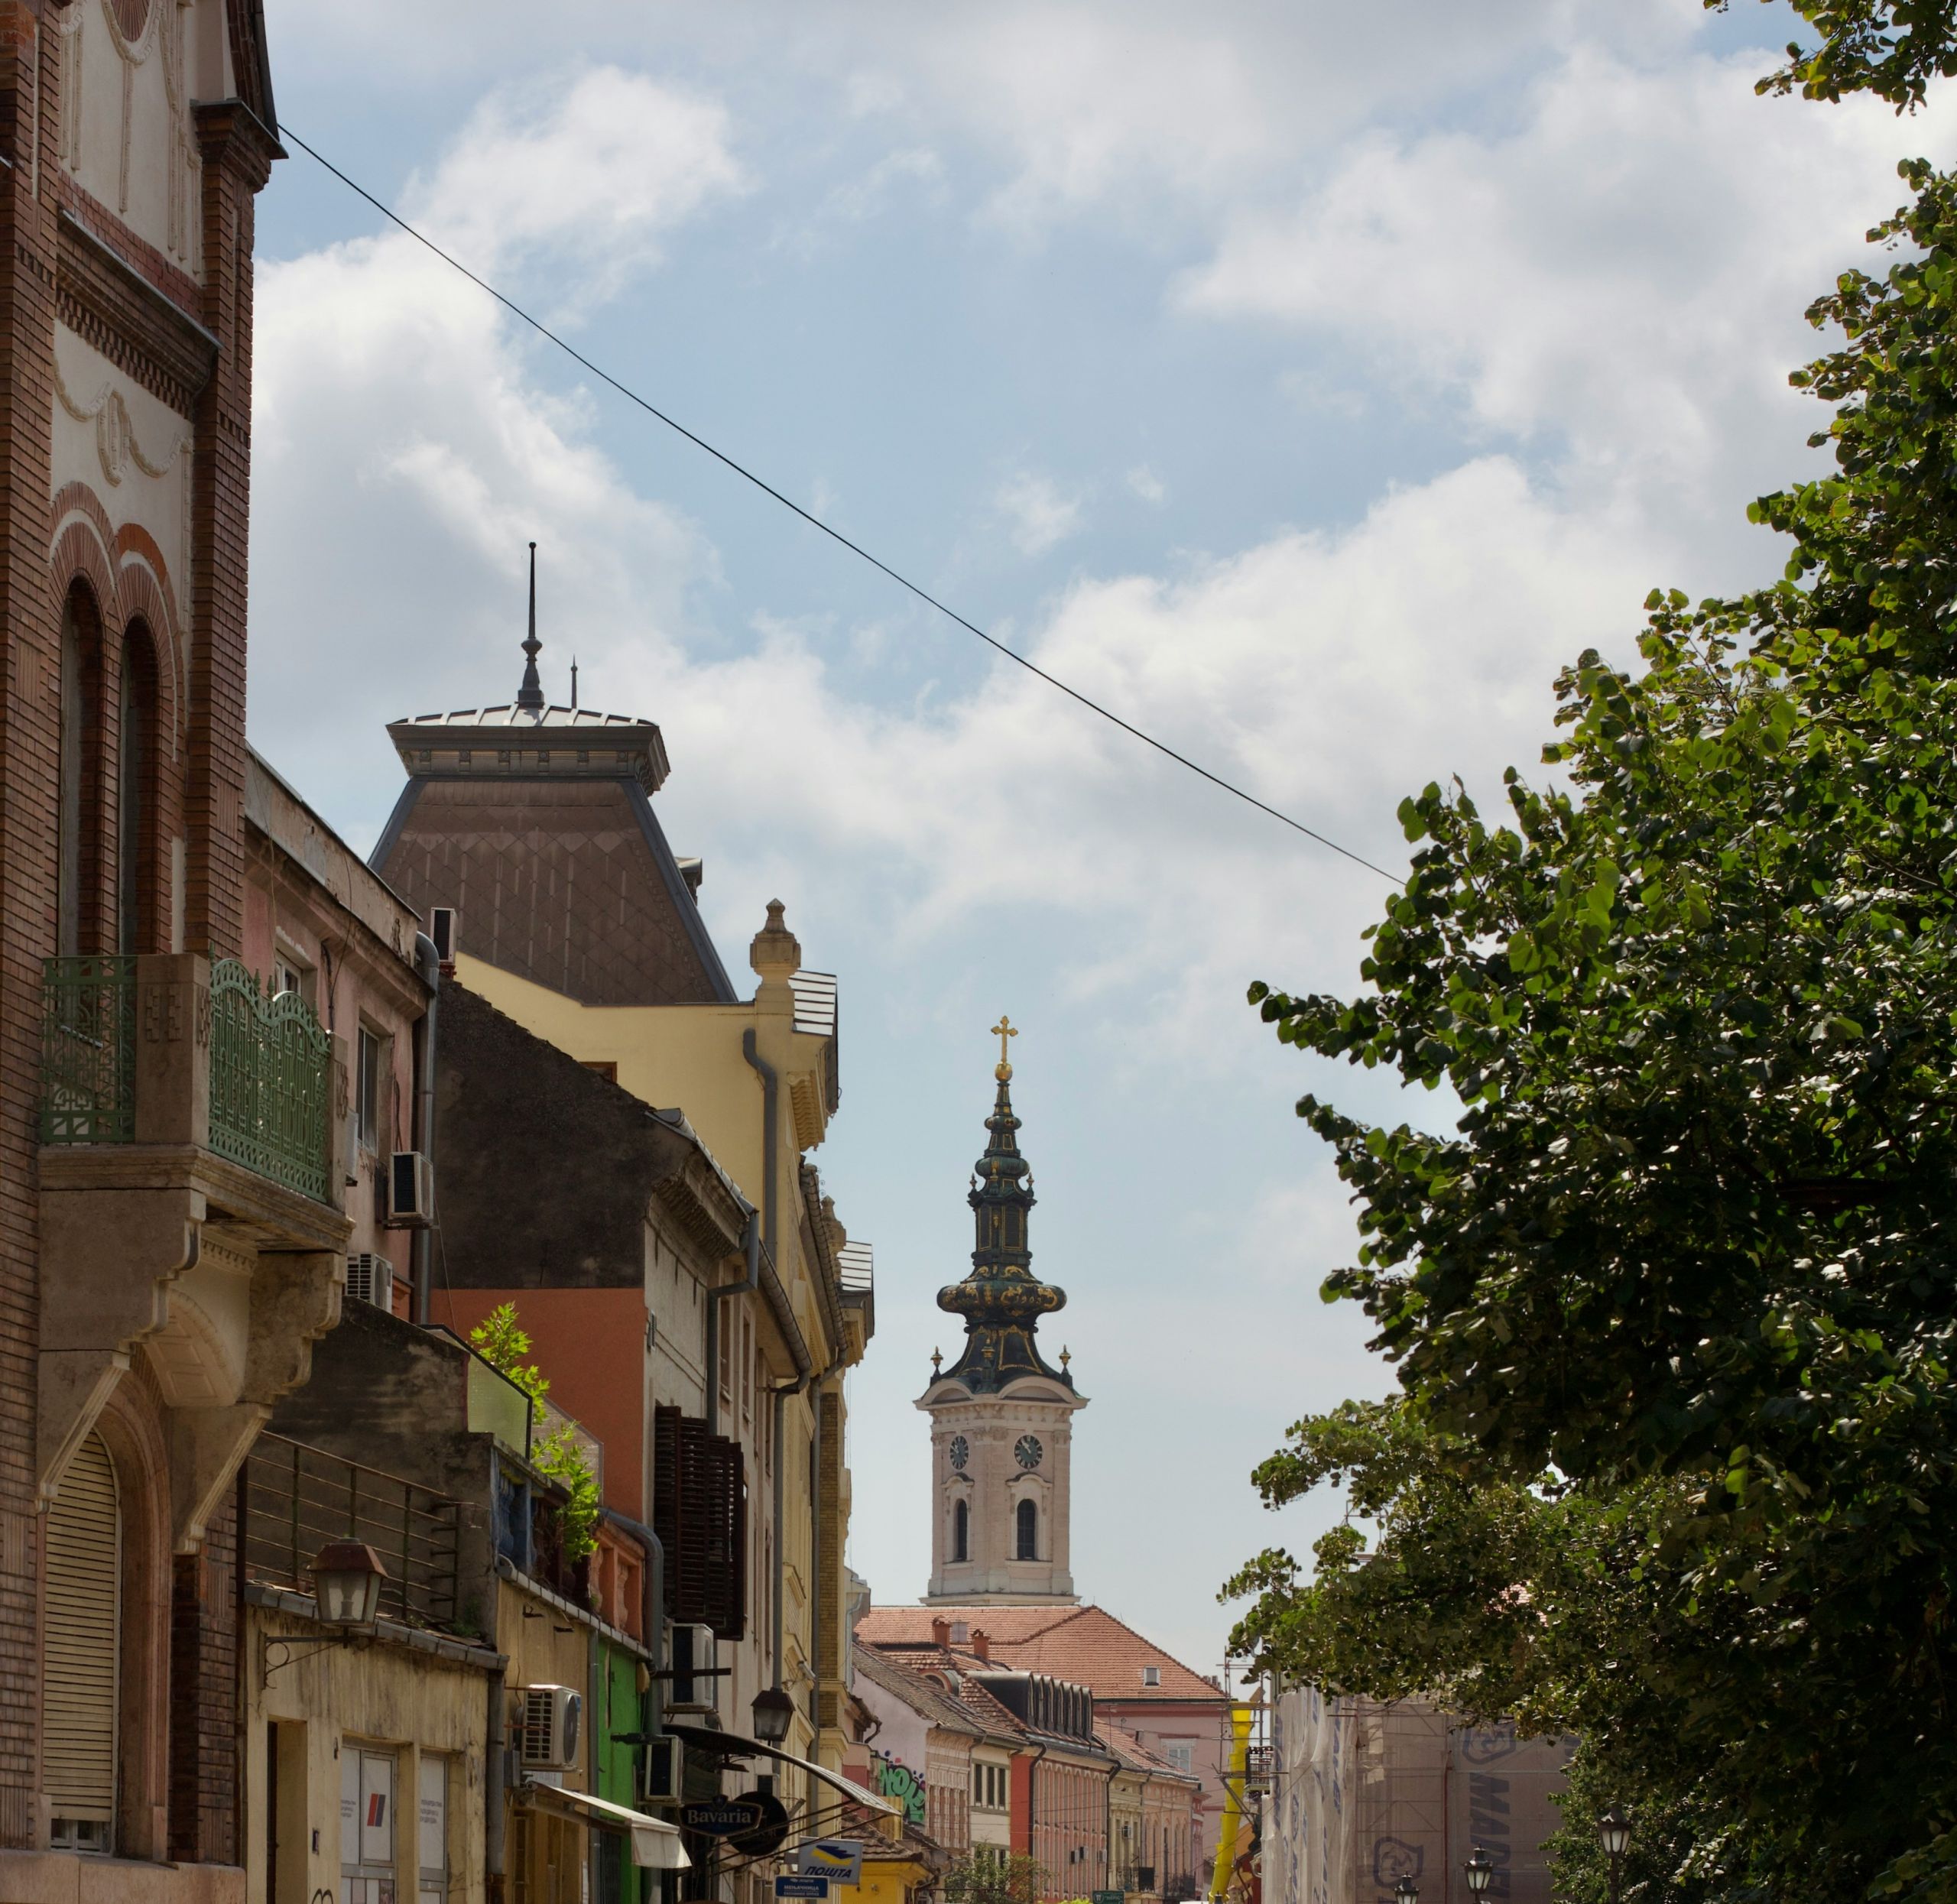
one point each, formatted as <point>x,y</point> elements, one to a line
<point>801,1885</point>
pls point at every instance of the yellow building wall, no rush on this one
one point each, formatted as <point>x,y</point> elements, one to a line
<point>885,1881</point>
<point>374,1694</point>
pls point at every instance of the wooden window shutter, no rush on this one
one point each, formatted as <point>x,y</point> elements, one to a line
<point>699,1512</point>
<point>724,1505</point>
<point>666,1500</point>
<point>84,1592</point>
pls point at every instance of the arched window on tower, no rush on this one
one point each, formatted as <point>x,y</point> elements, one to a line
<point>961,1520</point>
<point>1028,1517</point>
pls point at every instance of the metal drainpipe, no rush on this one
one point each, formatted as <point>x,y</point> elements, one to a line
<point>428,962</point>
<point>781,1392</point>
<point>750,1249</point>
<point>652,1598</point>
<point>771,1235</point>
<point>492,1787</point>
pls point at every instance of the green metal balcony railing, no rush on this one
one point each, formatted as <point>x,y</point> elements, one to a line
<point>269,1077</point>
<point>271,1068</point>
<point>88,1050</point>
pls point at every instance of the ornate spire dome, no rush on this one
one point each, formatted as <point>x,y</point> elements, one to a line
<point>1002,1300</point>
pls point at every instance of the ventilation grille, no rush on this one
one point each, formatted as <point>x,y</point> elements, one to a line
<point>370,1278</point>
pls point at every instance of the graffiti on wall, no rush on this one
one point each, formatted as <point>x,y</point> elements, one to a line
<point>897,1782</point>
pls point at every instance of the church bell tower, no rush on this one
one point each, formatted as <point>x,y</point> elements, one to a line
<point>1001,1415</point>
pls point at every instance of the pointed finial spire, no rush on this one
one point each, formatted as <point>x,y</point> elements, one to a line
<point>1003,1029</point>
<point>1066,1356</point>
<point>530,696</point>
<point>937,1359</point>
<point>574,684</point>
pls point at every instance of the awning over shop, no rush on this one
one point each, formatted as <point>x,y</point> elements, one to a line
<point>656,1845</point>
<point>731,1745</point>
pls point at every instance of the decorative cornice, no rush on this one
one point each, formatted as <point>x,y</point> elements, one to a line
<point>108,304</point>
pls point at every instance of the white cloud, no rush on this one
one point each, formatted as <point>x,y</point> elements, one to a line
<point>595,170</point>
<point>1619,277</point>
<point>1146,483</point>
<point>1038,513</point>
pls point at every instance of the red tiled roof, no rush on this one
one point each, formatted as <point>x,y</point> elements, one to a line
<point>1086,1645</point>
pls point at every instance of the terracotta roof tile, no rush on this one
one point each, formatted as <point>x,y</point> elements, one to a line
<point>1086,1645</point>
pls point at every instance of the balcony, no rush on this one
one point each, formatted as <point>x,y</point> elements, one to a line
<point>191,1175</point>
<point>265,1091</point>
<point>297,1499</point>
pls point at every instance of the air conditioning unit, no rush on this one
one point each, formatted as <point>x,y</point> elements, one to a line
<point>665,1771</point>
<point>410,1190</point>
<point>442,930</point>
<point>696,1686</point>
<point>547,1721</point>
<point>370,1278</point>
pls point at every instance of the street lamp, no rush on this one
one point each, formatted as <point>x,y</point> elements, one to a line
<point>1614,1834</point>
<point>1479,1871</point>
<point>1407,1892</point>
<point>775,1712</point>
<point>347,1579</point>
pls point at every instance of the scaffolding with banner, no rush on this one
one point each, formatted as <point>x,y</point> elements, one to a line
<point>1363,1795</point>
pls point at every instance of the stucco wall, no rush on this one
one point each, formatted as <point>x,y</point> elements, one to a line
<point>376,1693</point>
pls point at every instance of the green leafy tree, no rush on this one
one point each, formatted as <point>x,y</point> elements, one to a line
<point>1673,1304</point>
<point>501,1340</point>
<point>980,1879</point>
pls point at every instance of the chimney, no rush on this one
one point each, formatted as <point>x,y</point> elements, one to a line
<point>982,1644</point>
<point>940,1633</point>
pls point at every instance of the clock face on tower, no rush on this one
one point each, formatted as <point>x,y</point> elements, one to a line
<point>1027,1452</point>
<point>961,1452</point>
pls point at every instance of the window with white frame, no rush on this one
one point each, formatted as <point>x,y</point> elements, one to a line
<point>366,1826</point>
<point>432,1830</point>
<point>1181,1755</point>
<point>1151,1675</point>
<point>367,1094</point>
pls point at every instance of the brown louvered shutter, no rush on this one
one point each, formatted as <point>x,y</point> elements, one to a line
<point>724,1505</point>
<point>84,1593</point>
<point>666,1500</point>
<point>688,1563</point>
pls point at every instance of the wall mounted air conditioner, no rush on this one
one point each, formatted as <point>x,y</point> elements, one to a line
<point>370,1278</point>
<point>695,1687</point>
<point>547,1721</point>
<point>665,1771</point>
<point>410,1190</point>
<point>442,930</point>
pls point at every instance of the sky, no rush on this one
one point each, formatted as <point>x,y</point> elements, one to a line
<point>1306,383</point>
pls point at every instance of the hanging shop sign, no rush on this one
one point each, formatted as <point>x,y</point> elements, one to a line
<point>838,1859</point>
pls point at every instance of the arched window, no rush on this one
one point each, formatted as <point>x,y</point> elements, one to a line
<point>1028,1517</point>
<point>135,805</point>
<point>78,816</point>
<point>960,1531</point>
<point>81,1675</point>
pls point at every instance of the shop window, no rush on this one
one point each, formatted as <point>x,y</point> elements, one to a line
<point>80,1669</point>
<point>366,1826</point>
<point>432,1830</point>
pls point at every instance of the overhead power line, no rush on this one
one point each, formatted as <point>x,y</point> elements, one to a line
<point>815,522</point>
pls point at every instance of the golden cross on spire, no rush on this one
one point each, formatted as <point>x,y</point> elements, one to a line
<point>1003,1029</point>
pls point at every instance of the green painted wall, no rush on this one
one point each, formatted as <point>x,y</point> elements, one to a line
<point>617,1766</point>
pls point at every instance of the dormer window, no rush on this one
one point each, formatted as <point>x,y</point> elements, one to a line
<point>961,1633</point>
<point>1151,1675</point>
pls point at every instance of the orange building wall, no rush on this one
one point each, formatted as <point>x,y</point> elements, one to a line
<point>591,1344</point>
